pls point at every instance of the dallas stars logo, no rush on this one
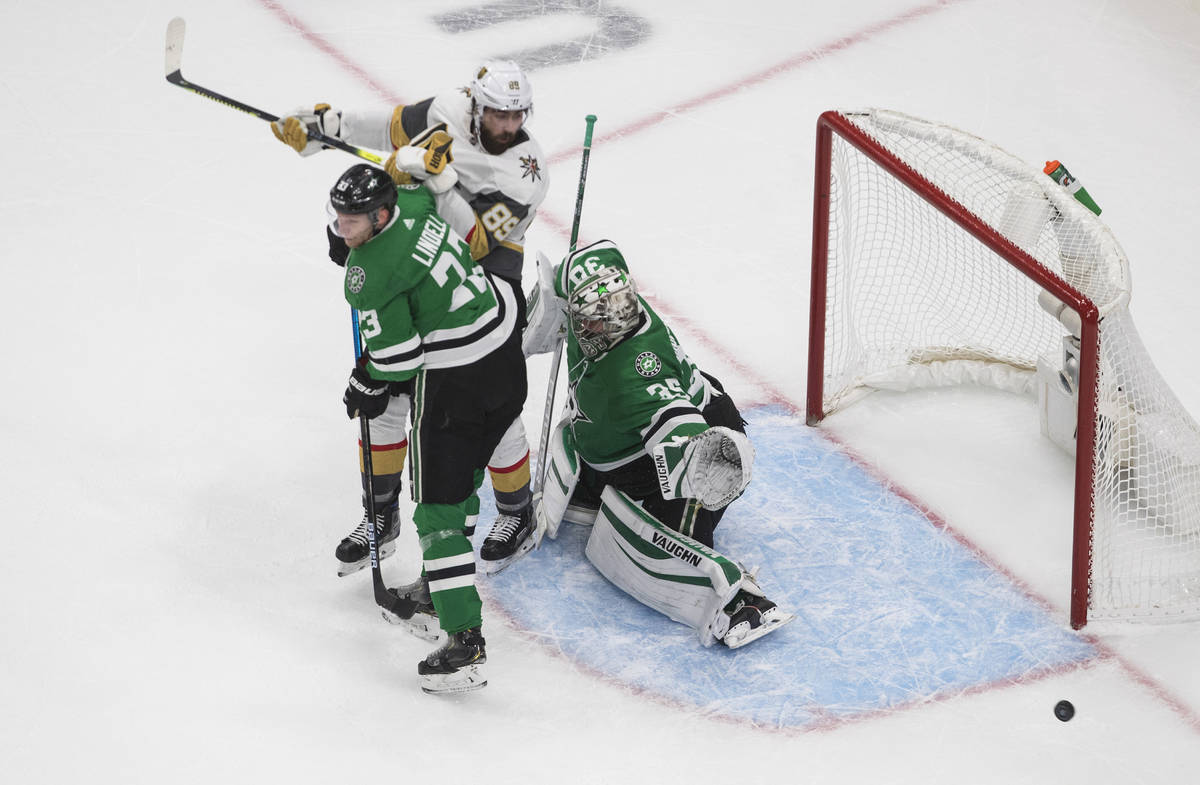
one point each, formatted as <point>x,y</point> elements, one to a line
<point>648,364</point>
<point>574,413</point>
<point>355,278</point>
<point>533,169</point>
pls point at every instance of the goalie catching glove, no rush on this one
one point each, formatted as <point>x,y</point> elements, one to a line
<point>427,157</point>
<point>294,129</point>
<point>712,467</point>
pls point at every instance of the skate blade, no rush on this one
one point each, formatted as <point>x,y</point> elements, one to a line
<point>493,567</point>
<point>350,568</point>
<point>771,623</point>
<point>467,679</point>
<point>423,625</point>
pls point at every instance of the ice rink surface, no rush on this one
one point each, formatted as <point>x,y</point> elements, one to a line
<point>179,468</point>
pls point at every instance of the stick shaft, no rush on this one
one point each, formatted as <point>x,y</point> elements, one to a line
<point>174,72</point>
<point>364,437</point>
<point>556,361</point>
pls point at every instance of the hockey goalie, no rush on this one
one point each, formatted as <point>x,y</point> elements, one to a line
<point>650,450</point>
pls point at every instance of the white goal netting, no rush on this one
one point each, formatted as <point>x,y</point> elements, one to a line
<point>913,299</point>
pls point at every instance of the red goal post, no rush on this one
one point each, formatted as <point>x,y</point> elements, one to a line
<point>939,258</point>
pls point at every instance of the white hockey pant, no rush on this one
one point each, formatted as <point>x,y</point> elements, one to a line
<point>391,427</point>
<point>389,446</point>
<point>513,446</point>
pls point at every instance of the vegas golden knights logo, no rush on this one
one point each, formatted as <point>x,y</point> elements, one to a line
<point>533,169</point>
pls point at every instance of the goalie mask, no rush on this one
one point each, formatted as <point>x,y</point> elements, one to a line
<point>602,301</point>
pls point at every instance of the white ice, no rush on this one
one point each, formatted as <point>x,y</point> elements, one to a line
<point>177,465</point>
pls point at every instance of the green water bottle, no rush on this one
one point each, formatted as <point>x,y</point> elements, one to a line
<point>1059,174</point>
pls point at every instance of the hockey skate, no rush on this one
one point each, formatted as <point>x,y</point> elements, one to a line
<point>751,617</point>
<point>509,540</point>
<point>455,667</point>
<point>411,607</point>
<point>354,552</point>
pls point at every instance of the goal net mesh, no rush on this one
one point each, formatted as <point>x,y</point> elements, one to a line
<point>913,299</point>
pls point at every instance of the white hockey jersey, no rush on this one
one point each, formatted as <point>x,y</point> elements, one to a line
<point>496,196</point>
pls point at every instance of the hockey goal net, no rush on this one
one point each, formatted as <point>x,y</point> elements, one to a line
<point>940,259</point>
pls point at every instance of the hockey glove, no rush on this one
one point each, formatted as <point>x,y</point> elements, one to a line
<point>339,252</point>
<point>293,130</point>
<point>365,397</point>
<point>712,467</point>
<point>427,157</point>
<point>436,143</point>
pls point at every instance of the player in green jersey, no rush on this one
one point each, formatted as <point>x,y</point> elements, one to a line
<point>652,446</point>
<point>472,147</point>
<point>437,330</point>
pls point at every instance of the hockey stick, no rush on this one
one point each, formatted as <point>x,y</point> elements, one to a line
<point>548,414</point>
<point>382,598</point>
<point>174,65</point>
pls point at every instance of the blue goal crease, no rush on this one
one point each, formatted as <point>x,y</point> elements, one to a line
<point>891,610</point>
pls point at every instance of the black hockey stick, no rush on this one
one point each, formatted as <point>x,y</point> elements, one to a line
<point>548,413</point>
<point>174,65</point>
<point>383,598</point>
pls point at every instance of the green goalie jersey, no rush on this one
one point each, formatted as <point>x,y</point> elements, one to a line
<point>642,391</point>
<point>421,301</point>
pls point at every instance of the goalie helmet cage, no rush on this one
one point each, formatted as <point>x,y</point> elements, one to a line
<point>931,251</point>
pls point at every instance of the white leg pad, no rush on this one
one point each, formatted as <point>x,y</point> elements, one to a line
<point>562,475</point>
<point>668,571</point>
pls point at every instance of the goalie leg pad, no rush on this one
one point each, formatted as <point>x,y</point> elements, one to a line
<point>562,475</point>
<point>668,571</point>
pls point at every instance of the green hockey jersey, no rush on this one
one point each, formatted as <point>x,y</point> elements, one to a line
<point>641,392</point>
<point>421,301</point>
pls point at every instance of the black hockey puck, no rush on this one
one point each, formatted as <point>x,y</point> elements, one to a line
<point>1064,710</point>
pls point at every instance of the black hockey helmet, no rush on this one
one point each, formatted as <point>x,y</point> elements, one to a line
<point>362,189</point>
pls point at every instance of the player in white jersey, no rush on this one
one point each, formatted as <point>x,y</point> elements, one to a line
<point>471,147</point>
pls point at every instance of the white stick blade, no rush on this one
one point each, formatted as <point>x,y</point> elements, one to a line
<point>175,30</point>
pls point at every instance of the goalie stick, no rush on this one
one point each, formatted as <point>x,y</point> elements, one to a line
<point>174,65</point>
<point>552,388</point>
